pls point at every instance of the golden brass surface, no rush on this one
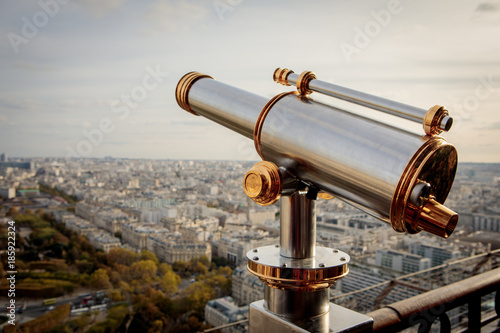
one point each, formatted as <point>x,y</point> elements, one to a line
<point>262,118</point>
<point>435,163</point>
<point>325,196</point>
<point>262,183</point>
<point>303,82</point>
<point>183,87</point>
<point>432,119</point>
<point>437,219</point>
<point>300,274</point>
<point>280,76</point>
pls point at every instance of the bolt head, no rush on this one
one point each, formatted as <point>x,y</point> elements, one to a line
<point>255,258</point>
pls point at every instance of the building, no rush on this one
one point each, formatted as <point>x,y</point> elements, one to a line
<point>401,262</point>
<point>111,220</point>
<point>261,215</point>
<point>437,254</point>
<point>235,249</point>
<point>246,287</point>
<point>361,278</point>
<point>8,192</point>
<point>136,234</point>
<point>103,240</point>
<point>86,211</point>
<point>78,225</point>
<point>489,222</point>
<point>170,248</point>
<point>18,165</point>
<point>223,311</point>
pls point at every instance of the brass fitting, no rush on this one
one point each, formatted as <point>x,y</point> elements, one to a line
<point>263,184</point>
<point>280,76</point>
<point>183,87</point>
<point>437,120</point>
<point>303,82</point>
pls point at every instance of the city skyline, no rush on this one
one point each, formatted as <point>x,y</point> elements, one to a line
<point>97,78</point>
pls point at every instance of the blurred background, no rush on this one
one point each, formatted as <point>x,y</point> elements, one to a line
<point>95,78</point>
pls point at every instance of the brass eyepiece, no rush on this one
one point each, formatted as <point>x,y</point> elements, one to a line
<point>262,183</point>
<point>437,120</point>
<point>437,219</point>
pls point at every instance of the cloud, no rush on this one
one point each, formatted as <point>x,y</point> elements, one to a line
<point>101,7</point>
<point>165,15</point>
<point>31,66</point>
<point>487,7</point>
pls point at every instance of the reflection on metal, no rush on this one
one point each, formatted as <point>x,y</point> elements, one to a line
<point>337,319</point>
<point>434,121</point>
<point>309,148</point>
<point>361,161</point>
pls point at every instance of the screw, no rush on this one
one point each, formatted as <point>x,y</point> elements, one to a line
<point>321,265</point>
<point>255,258</point>
<point>283,265</point>
<point>342,259</point>
<point>335,251</point>
<point>255,250</point>
<point>277,245</point>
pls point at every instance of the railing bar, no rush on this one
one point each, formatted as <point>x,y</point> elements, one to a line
<point>489,320</point>
<point>474,315</point>
<point>495,253</point>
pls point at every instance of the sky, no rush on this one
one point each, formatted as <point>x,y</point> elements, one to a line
<point>95,78</point>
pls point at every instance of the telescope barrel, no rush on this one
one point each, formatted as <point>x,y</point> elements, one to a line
<point>400,177</point>
<point>307,81</point>
<point>357,97</point>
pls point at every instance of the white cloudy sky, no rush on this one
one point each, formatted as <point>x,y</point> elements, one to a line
<point>68,72</point>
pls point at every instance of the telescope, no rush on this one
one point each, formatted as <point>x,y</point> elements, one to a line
<point>310,149</point>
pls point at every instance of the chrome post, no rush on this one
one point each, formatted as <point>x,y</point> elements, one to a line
<point>298,226</point>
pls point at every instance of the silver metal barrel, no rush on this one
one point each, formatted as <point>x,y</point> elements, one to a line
<point>378,168</point>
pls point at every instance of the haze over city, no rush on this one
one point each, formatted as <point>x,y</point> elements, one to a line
<point>72,68</point>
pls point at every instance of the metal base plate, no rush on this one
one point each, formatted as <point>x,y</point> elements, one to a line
<point>337,320</point>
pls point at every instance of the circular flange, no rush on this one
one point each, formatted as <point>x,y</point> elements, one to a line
<point>323,270</point>
<point>183,87</point>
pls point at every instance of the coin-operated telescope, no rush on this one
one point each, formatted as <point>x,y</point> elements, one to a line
<point>309,150</point>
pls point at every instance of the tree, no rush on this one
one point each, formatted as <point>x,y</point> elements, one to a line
<point>170,282</point>
<point>121,256</point>
<point>163,268</point>
<point>143,272</point>
<point>148,255</point>
<point>100,279</point>
<point>197,295</point>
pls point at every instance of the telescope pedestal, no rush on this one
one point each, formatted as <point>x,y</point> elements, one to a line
<point>336,320</point>
<point>297,276</point>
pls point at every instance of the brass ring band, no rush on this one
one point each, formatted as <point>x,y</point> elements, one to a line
<point>403,216</point>
<point>303,82</point>
<point>183,87</point>
<point>262,117</point>
<point>432,120</point>
<point>281,76</point>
